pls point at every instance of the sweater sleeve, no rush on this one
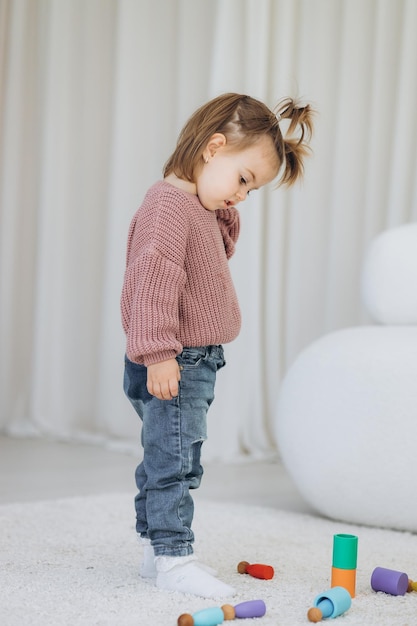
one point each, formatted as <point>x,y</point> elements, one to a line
<point>151,292</point>
<point>229,224</point>
<point>154,279</point>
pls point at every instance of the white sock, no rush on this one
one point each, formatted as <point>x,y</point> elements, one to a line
<point>183,574</point>
<point>147,568</point>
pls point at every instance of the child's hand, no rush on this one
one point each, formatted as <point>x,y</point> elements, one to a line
<point>163,379</point>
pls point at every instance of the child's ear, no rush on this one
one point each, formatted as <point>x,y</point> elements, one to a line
<point>216,141</point>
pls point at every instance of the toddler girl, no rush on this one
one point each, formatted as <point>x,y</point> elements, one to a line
<point>179,306</point>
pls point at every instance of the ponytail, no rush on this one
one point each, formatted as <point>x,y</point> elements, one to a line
<point>293,145</point>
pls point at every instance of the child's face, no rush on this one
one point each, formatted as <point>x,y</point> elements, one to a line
<point>228,176</point>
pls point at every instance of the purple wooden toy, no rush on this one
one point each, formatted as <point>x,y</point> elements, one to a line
<point>390,581</point>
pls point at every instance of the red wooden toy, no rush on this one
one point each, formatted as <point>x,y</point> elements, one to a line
<point>257,570</point>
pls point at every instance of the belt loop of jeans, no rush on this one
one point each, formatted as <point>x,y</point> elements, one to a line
<point>216,350</point>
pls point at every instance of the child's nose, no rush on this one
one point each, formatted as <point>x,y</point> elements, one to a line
<point>241,195</point>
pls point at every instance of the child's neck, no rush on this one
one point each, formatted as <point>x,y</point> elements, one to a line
<point>180,183</point>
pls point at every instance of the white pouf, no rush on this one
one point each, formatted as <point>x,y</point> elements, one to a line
<point>346,425</point>
<point>389,276</point>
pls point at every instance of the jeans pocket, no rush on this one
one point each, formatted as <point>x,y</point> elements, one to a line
<point>191,357</point>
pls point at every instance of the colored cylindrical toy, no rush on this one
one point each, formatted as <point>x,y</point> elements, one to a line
<point>208,617</point>
<point>326,607</point>
<point>251,608</point>
<point>331,603</point>
<point>345,555</point>
<point>344,578</point>
<point>345,551</point>
<point>390,581</point>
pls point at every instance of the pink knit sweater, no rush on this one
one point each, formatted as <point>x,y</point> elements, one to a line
<point>177,288</point>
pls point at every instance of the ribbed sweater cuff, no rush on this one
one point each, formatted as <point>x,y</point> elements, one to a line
<point>158,357</point>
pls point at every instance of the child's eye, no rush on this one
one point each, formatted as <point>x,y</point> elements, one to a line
<point>243,181</point>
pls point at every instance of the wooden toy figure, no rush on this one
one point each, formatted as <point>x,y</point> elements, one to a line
<point>392,582</point>
<point>331,603</point>
<point>216,615</point>
<point>257,570</point>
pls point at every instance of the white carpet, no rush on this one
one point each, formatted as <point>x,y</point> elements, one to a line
<point>75,562</point>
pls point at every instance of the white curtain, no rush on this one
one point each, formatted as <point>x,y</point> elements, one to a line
<point>92,96</point>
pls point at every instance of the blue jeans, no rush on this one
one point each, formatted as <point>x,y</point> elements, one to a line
<point>173,432</point>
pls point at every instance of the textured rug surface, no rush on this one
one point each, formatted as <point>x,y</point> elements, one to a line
<point>75,562</point>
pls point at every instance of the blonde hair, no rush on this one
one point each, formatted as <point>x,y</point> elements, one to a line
<point>243,120</point>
